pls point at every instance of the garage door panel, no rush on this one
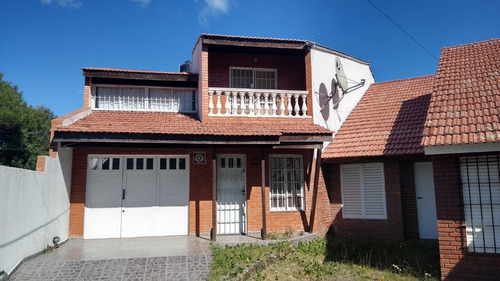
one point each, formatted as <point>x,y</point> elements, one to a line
<point>105,191</point>
<point>138,222</point>
<point>174,190</point>
<point>102,223</point>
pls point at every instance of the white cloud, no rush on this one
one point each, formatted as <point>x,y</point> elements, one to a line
<point>212,9</point>
<point>75,4</point>
<point>143,3</point>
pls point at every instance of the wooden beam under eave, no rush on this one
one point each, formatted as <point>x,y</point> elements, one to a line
<point>315,190</point>
<point>214,196</point>
<point>263,192</point>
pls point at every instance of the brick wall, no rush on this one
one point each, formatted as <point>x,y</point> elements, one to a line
<point>291,70</point>
<point>456,262</point>
<point>389,229</point>
<point>200,202</point>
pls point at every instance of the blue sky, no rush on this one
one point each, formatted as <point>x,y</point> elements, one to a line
<point>46,42</point>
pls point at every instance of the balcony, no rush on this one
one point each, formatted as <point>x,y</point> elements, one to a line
<point>235,102</point>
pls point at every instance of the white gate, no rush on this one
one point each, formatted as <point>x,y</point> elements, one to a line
<point>231,194</point>
<point>136,196</point>
<point>426,202</point>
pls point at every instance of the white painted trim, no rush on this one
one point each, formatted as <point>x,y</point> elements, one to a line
<point>462,148</point>
<point>68,121</point>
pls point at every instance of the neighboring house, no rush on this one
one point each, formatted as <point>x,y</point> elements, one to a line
<point>409,137</point>
<point>462,134</point>
<point>378,179</point>
<point>230,146</point>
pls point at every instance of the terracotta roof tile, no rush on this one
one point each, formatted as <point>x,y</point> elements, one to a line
<point>465,103</point>
<point>182,124</point>
<point>387,121</point>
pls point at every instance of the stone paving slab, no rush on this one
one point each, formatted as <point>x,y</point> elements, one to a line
<point>187,268</point>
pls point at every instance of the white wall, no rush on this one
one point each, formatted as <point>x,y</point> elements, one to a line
<point>323,73</point>
<point>34,208</point>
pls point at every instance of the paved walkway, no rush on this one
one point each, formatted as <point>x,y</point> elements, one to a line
<point>162,258</point>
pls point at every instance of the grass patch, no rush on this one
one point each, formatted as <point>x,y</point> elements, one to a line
<point>333,259</point>
<point>229,261</point>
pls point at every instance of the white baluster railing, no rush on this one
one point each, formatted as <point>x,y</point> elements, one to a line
<point>257,103</point>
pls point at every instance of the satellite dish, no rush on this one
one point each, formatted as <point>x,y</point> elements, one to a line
<point>340,75</point>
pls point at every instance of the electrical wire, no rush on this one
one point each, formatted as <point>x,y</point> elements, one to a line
<point>404,31</point>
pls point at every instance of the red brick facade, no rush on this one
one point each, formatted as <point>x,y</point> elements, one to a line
<point>200,202</point>
<point>456,262</point>
<point>291,69</point>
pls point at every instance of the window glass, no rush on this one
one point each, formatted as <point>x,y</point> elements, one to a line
<point>139,165</point>
<point>116,163</point>
<point>481,195</point>
<point>182,163</point>
<point>286,183</point>
<point>163,163</point>
<point>172,164</point>
<point>94,162</point>
<point>105,163</point>
<point>149,163</point>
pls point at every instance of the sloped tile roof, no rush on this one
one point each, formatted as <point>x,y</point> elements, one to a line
<point>182,124</point>
<point>387,121</point>
<point>465,104</point>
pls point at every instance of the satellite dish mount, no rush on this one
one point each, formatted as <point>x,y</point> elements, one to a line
<point>341,82</point>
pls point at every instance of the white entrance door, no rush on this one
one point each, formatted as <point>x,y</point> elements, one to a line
<point>426,203</point>
<point>136,196</point>
<point>231,194</point>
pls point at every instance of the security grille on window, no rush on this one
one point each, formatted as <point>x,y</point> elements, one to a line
<point>363,191</point>
<point>286,182</point>
<point>144,99</point>
<point>253,78</point>
<point>481,193</point>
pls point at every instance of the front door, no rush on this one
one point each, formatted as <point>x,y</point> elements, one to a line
<point>231,194</point>
<point>426,202</point>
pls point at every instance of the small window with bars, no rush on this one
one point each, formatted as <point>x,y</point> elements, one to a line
<point>481,195</point>
<point>253,78</point>
<point>286,182</point>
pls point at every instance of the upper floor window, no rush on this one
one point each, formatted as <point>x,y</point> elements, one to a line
<point>253,78</point>
<point>144,99</point>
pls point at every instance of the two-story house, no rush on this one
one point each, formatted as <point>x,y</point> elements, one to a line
<point>230,145</point>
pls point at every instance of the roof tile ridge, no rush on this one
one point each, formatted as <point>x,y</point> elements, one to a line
<point>491,40</point>
<point>429,76</point>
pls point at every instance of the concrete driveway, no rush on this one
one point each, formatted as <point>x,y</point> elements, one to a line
<point>161,258</point>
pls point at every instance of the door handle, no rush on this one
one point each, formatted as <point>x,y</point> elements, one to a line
<point>123,194</point>
<point>420,197</point>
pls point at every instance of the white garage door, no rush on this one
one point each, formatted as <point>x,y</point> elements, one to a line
<point>136,196</point>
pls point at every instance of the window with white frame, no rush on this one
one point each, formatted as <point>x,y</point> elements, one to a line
<point>253,78</point>
<point>286,182</point>
<point>363,191</point>
<point>144,99</point>
<point>481,195</point>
